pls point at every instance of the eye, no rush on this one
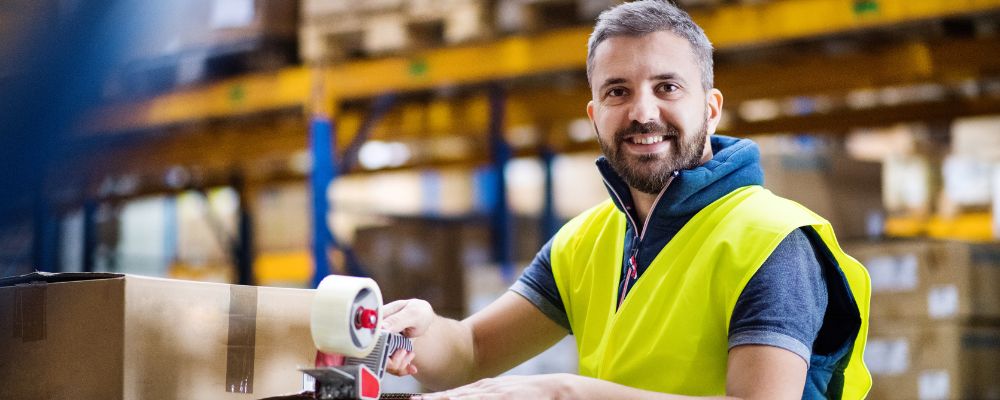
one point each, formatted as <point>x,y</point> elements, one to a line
<point>616,92</point>
<point>667,88</point>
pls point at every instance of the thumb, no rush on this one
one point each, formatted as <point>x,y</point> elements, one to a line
<point>393,317</point>
<point>393,307</point>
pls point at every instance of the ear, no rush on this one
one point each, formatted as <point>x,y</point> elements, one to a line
<point>590,110</point>
<point>714,100</point>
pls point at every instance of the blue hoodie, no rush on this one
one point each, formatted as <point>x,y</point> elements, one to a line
<point>783,305</point>
<point>736,163</point>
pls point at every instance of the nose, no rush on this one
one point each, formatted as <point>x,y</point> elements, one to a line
<point>644,107</point>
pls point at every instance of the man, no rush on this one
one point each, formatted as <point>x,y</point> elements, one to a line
<point>691,280</point>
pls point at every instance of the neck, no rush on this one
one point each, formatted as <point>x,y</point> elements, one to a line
<point>644,202</point>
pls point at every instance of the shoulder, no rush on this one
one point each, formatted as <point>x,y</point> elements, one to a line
<point>537,284</point>
<point>760,207</point>
<point>793,267</point>
<point>571,232</point>
<point>784,303</point>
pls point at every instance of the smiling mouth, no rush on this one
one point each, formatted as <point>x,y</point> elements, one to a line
<point>646,139</point>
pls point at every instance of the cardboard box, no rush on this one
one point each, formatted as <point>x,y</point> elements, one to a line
<point>112,336</point>
<point>940,360</point>
<point>931,280</point>
<point>910,184</point>
<point>822,177</point>
<point>416,258</point>
<point>428,258</point>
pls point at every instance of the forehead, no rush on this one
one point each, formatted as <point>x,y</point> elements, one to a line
<point>647,55</point>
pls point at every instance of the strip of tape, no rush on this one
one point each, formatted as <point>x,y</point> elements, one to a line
<point>29,312</point>
<point>242,338</point>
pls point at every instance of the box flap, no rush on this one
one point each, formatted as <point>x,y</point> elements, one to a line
<point>52,277</point>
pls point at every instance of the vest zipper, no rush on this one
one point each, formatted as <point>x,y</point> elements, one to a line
<point>633,267</point>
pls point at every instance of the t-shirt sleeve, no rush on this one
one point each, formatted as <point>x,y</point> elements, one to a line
<point>538,286</point>
<point>784,302</point>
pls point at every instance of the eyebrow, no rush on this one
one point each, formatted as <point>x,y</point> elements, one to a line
<point>660,77</point>
<point>612,81</point>
<point>669,76</point>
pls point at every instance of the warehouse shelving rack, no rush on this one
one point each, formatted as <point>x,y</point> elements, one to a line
<point>316,92</point>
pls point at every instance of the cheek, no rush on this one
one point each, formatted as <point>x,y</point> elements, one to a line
<point>692,119</point>
<point>606,125</point>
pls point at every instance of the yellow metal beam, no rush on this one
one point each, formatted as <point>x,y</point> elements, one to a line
<point>969,227</point>
<point>245,95</point>
<point>729,27</point>
<point>812,73</point>
<point>779,20</point>
<point>507,58</point>
<point>844,120</point>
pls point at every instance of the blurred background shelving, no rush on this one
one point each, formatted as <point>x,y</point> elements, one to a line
<point>437,144</point>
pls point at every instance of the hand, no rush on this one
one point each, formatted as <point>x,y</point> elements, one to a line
<point>410,318</point>
<point>399,363</point>
<point>552,386</point>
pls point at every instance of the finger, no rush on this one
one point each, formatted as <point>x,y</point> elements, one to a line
<point>409,358</point>
<point>389,324</point>
<point>400,365</point>
<point>391,317</point>
<point>400,372</point>
<point>393,307</point>
<point>399,322</point>
<point>391,366</point>
<point>412,369</point>
<point>396,364</point>
<point>435,395</point>
<point>413,331</point>
<point>462,394</point>
<point>398,357</point>
<point>485,382</point>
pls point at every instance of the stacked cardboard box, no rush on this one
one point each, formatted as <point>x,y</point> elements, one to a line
<point>935,309</point>
<point>944,360</point>
<point>823,177</point>
<point>416,259</point>
<point>112,336</point>
<point>428,258</point>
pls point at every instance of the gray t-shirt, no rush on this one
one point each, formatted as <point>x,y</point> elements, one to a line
<point>782,305</point>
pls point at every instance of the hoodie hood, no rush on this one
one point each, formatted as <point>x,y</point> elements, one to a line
<point>735,163</point>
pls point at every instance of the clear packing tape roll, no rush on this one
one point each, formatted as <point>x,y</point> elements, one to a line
<point>346,313</point>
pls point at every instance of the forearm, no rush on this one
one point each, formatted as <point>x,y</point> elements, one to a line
<point>444,354</point>
<point>581,387</point>
<point>448,353</point>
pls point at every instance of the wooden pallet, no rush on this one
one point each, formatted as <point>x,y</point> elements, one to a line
<point>335,30</point>
<point>393,29</point>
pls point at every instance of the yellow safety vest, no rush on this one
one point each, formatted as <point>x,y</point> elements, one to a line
<point>670,334</point>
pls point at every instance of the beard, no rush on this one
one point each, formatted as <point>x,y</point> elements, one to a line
<point>649,173</point>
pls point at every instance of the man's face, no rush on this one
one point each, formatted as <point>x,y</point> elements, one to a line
<point>649,109</point>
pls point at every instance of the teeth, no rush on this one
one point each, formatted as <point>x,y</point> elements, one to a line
<point>647,140</point>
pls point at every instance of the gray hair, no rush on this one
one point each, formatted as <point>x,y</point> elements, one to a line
<point>648,16</point>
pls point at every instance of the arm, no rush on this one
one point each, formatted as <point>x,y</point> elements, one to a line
<point>448,353</point>
<point>755,372</point>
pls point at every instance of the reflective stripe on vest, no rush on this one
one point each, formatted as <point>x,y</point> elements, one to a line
<point>670,334</point>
